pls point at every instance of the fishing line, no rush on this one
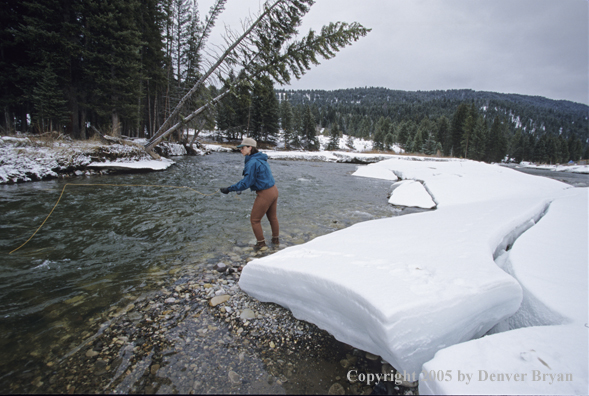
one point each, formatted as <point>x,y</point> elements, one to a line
<point>108,185</point>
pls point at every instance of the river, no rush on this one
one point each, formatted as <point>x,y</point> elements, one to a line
<point>135,240</point>
<point>105,244</point>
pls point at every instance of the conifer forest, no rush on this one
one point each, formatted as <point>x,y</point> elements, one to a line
<point>131,67</point>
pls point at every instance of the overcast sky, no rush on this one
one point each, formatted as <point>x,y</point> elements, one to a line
<point>530,47</point>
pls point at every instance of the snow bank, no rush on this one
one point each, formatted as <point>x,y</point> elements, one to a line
<point>327,156</point>
<point>26,159</point>
<point>551,356</point>
<point>547,360</point>
<point>573,168</point>
<point>160,164</point>
<point>406,287</point>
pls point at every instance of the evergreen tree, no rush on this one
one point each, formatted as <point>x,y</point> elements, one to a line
<point>287,122</point>
<point>49,103</point>
<point>496,143</point>
<point>467,132</point>
<point>113,61</point>
<point>404,134</point>
<point>389,140</point>
<point>265,111</point>
<point>431,146</point>
<point>382,128</point>
<point>575,148</point>
<point>444,136</point>
<point>334,135</point>
<point>479,139</point>
<point>308,130</point>
<point>457,128</point>
<point>418,142</point>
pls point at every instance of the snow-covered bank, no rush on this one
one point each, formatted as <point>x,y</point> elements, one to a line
<point>328,156</point>
<point>545,342</point>
<point>410,286</point>
<point>26,159</point>
<point>573,168</point>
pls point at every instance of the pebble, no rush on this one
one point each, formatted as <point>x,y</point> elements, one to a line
<point>247,314</point>
<point>336,389</point>
<point>154,369</point>
<point>372,357</point>
<point>219,300</point>
<point>234,378</point>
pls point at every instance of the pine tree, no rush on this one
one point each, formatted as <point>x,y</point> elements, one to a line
<point>113,61</point>
<point>389,140</point>
<point>308,130</point>
<point>287,122</point>
<point>467,132</point>
<point>334,135</point>
<point>418,141</point>
<point>49,103</point>
<point>443,135</point>
<point>430,147</point>
<point>267,47</point>
<point>479,139</point>
<point>575,148</point>
<point>265,111</point>
<point>496,143</point>
<point>457,128</point>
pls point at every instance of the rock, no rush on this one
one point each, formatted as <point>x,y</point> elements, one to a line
<point>272,345</point>
<point>170,300</point>
<point>345,363</point>
<point>221,267</point>
<point>174,271</point>
<point>91,353</point>
<point>247,314</point>
<point>213,302</point>
<point>336,389</point>
<point>234,378</point>
<point>154,369</point>
<point>370,356</point>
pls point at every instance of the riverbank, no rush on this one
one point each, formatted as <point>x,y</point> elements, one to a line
<point>173,339</point>
<point>34,158</point>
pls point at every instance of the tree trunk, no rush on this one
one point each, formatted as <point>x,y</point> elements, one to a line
<point>83,134</point>
<point>116,124</point>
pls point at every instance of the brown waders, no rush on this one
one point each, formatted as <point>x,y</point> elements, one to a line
<point>265,204</point>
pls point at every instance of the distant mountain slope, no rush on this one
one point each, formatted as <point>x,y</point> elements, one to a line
<point>532,113</point>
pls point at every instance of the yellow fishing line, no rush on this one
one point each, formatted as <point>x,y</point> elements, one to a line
<point>110,185</point>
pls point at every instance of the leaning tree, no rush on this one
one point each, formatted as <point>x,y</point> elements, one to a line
<point>267,46</point>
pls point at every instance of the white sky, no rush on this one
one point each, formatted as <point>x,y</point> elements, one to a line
<point>530,47</point>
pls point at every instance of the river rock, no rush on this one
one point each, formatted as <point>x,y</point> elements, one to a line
<point>170,300</point>
<point>213,302</point>
<point>91,353</point>
<point>221,267</point>
<point>336,389</point>
<point>247,314</point>
<point>154,369</point>
<point>234,378</point>
<point>370,356</point>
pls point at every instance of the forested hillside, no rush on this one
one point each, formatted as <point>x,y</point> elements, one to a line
<point>464,123</point>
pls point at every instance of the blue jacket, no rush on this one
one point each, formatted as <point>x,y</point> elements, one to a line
<point>256,174</point>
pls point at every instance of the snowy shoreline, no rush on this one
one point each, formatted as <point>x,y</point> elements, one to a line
<point>494,281</point>
<point>26,158</point>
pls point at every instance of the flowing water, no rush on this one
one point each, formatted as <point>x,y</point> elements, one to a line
<point>103,243</point>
